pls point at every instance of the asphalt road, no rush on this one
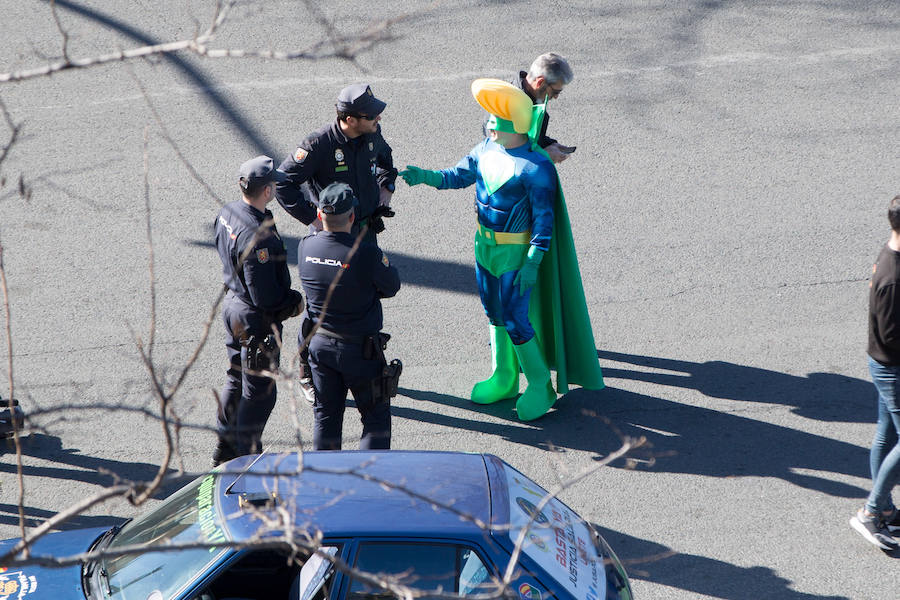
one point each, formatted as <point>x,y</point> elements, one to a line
<point>727,197</point>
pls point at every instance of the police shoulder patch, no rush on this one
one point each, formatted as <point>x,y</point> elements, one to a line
<point>301,154</point>
<point>262,255</point>
<point>385,261</point>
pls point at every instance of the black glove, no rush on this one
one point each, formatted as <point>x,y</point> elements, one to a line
<point>376,221</point>
<point>293,309</point>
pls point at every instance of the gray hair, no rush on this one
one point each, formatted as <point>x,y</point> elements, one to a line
<point>552,67</point>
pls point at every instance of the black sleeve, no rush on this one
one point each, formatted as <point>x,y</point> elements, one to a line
<point>260,274</point>
<point>887,315</point>
<point>387,174</point>
<point>299,167</point>
<point>384,274</point>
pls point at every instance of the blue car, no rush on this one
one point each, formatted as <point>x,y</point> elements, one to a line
<point>337,526</point>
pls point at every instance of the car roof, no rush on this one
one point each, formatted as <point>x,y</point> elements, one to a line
<point>359,494</point>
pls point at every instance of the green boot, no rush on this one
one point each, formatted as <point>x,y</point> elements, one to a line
<point>504,382</point>
<point>539,395</point>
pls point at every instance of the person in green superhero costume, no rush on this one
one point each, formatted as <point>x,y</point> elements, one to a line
<point>526,265</point>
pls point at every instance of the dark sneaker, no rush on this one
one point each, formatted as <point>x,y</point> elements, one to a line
<point>874,530</point>
<point>307,390</point>
<point>892,521</point>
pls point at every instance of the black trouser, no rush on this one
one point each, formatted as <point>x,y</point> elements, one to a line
<point>247,399</point>
<point>338,366</point>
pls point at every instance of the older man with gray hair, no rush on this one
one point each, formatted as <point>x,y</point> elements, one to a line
<point>545,80</point>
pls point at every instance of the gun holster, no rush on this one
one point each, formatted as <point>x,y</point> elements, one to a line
<point>261,353</point>
<point>384,387</point>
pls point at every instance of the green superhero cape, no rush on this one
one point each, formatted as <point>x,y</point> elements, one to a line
<point>558,311</point>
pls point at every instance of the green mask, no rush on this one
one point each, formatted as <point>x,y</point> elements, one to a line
<point>498,124</point>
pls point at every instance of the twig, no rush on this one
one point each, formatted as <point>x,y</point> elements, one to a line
<point>168,137</point>
<point>152,335</point>
<point>346,48</point>
<point>14,128</point>
<point>62,32</point>
<point>12,414</point>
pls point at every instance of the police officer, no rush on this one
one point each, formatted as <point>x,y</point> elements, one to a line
<point>345,352</point>
<point>350,150</point>
<point>258,299</point>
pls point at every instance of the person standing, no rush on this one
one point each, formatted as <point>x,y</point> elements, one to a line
<point>544,81</point>
<point>525,263</point>
<point>258,299</point>
<point>879,514</point>
<point>350,150</point>
<point>344,284</point>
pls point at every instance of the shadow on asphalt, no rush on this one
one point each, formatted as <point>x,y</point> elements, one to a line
<point>649,561</point>
<point>68,464</point>
<point>9,515</point>
<point>414,270</point>
<point>683,438</point>
<point>820,396</point>
<point>230,113</point>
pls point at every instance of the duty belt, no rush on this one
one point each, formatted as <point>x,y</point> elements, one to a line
<point>353,339</point>
<point>503,237</point>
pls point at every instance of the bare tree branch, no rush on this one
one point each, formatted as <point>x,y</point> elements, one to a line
<point>168,137</point>
<point>10,405</point>
<point>344,47</point>
<point>14,129</point>
<point>62,32</point>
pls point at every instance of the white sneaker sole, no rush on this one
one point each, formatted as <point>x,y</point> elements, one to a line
<point>856,524</point>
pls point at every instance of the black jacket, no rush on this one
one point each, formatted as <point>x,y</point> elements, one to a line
<point>884,308</point>
<point>263,280</point>
<point>364,163</point>
<point>355,305</point>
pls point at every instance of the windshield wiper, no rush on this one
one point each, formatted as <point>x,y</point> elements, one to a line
<point>90,568</point>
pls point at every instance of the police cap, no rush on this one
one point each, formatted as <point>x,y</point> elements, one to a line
<point>336,199</point>
<point>358,99</point>
<point>259,171</point>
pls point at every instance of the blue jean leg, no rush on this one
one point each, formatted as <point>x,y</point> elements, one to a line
<point>503,304</point>
<point>884,456</point>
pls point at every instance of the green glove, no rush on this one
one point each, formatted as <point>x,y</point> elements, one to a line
<point>414,176</point>
<point>528,272</point>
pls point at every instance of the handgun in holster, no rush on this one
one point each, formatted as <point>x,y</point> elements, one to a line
<point>384,387</point>
<point>261,353</point>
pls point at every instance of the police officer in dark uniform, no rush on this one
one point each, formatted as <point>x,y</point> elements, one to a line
<point>259,298</point>
<point>349,150</point>
<point>346,351</point>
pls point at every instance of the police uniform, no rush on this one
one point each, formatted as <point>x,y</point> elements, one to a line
<point>259,298</point>
<point>328,155</point>
<point>341,356</point>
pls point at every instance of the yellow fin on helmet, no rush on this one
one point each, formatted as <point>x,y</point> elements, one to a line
<point>504,100</point>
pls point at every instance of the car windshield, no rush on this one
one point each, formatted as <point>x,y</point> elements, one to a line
<point>188,517</point>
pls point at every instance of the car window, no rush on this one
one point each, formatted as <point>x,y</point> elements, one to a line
<point>280,574</point>
<point>188,517</point>
<point>452,569</point>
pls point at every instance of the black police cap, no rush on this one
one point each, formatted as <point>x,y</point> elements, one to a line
<point>336,199</point>
<point>259,171</point>
<point>358,99</point>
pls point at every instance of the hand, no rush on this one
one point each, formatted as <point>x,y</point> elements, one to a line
<point>384,197</point>
<point>528,272</point>
<point>556,153</point>
<point>292,310</point>
<point>526,277</point>
<point>414,176</point>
